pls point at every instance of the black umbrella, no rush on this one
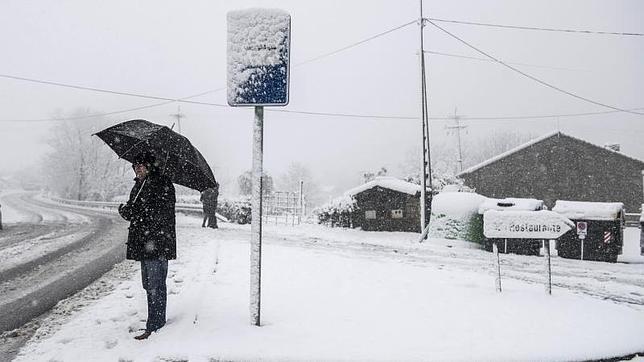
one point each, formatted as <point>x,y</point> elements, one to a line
<point>177,157</point>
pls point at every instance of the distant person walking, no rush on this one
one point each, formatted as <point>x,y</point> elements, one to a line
<point>209,199</point>
<point>152,236</point>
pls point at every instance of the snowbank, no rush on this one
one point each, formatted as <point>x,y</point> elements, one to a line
<point>331,305</point>
<point>455,216</point>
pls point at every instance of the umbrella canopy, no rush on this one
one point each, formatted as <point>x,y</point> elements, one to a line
<point>176,156</point>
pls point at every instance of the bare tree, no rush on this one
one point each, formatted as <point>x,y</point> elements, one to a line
<point>485,148</point>
<point>81,166</point>
<point>245,183</point>
<point>290,181</point>
<point>444,156</point>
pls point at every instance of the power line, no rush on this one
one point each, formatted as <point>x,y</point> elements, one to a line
<point>331,114</point>
<point>100,90</point>
<point>489,60</point>
<point>535,28</point>
<point>532,77</point>
<point>356,43</point>
<point>170,100</point>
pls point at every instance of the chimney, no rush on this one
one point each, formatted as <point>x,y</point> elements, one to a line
<point>612,146</point>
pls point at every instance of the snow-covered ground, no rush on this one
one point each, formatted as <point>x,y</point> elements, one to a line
<point>337,304</point>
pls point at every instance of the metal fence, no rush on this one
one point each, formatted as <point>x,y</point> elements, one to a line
<point>282,207</point>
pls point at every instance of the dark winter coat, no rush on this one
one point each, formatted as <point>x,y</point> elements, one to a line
<point>209,199</point>
<point>152,232</point>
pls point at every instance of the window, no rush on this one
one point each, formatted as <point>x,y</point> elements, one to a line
<point>370,214</point>
<point>397,214</point>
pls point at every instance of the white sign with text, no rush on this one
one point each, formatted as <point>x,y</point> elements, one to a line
<point>542,224</point>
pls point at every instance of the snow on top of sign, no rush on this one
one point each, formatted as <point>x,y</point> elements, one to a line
<point>256,37</point>
<point>386,182</point>
<point>581,210</point>
<point>512,204</point>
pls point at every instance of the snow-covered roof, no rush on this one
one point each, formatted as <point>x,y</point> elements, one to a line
<point>581,210</point>
<point>507,153</point>
<point>532,142</point>
<point>457,205</point>
<point>391,183</point>
<point>512,204</point>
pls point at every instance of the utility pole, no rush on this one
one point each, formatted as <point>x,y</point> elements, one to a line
<point>458,127</point>
<point>178,116</point>
<point>426,171</point>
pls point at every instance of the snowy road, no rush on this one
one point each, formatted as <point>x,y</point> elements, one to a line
<point>49,252</point>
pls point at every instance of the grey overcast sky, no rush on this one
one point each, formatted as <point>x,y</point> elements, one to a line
<point>178,48</point>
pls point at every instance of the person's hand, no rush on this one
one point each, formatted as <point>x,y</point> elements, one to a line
<point>125,211</point>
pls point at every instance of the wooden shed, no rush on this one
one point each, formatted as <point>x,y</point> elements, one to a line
<point>387,204</point>
<point>560,167</point>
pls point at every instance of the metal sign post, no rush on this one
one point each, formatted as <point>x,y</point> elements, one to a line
<point>258,75</point>
<point>256,218</point>
<point>540,224</point>
<point>582,230</point>
<point>546,254</point>
<point>497,264</point>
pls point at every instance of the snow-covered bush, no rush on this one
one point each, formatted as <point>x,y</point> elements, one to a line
<point>455,216</point>
<point>235,210</point>
<point>337,212</point>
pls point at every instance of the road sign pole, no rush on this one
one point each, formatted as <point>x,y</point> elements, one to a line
<point>497,266</point>
<point>546,251</point>
<point>582,248</point>
<point>256,215</point>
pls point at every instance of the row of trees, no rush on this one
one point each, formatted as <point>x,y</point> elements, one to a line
<point>80,166</point>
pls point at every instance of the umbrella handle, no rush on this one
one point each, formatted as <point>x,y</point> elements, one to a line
<point>165,164</point>
<point>137,194</point>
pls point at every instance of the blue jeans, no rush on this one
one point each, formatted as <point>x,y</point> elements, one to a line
<point>153,275</point>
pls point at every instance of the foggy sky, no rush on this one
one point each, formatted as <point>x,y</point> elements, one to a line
<point>177,49</point>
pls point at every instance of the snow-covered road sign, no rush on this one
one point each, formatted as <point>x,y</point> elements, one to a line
<point>258,57</point>
<point>542,224</point>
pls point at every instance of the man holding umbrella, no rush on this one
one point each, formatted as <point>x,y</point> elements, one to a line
<point>152,236</point>
<point>150,209</point>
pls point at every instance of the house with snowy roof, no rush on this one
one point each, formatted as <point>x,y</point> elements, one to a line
<point>387,204</point>
<point>560,167</point>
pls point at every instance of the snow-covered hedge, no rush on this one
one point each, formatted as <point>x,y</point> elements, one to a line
<point>455,216</point>
<point>337,212</point>
<point>235,210</point>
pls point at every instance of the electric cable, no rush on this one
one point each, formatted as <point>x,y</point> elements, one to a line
<point>532,77</point>
<point>169,100</point>
<point>490,60</point>
<point>534,28</point>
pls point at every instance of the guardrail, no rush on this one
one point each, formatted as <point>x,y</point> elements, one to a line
<point>188,209</point>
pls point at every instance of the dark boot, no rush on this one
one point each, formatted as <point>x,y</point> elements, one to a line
<point>143,336</point>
